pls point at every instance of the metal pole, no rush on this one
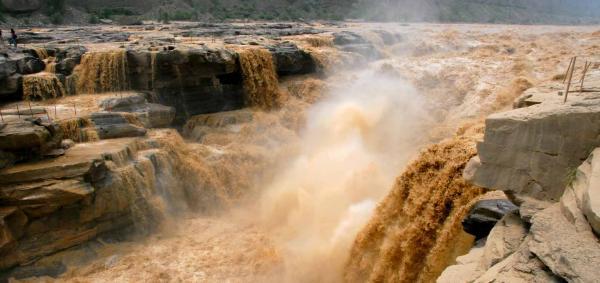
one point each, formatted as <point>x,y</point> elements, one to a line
<point>587,66</point>
<point>1,116</point>
<point>570,78</point>
<point>75,108</point>
<point>18,112</point>
<point>30,110</point>
<point>55,116</point>
<point>568,70</point>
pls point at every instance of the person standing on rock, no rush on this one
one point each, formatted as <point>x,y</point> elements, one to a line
<point>13,37</point>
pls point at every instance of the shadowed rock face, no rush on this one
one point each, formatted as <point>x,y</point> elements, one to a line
<point>22,6</point>
<point>193,81</point>
<point>485,214</point>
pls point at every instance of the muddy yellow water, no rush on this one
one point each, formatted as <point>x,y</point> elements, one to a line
<point>319,161</point>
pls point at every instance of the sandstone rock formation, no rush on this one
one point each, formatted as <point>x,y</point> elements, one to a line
<point>95,188</point>
<point>532,153</point>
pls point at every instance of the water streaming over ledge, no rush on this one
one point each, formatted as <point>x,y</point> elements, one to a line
<point>102,72</point>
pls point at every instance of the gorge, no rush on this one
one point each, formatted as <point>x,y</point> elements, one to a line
<point>296,152</point>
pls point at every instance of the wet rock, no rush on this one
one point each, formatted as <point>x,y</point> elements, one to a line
<point>10,86</point>
<point>290,60</point>
<point>114,125</point>
<point>195,81</point>
<point>48,193</point>
<point>67,143</point>
<point>150,115</point>
<point>387,37</point>
<point>485,214</point>
<point>67,58</point>
<point>23,135</point>
<point>30,65</point>
<point>7,66</point>
<point>53,270</point>
<point>7,159</point>
<point>530,151</point>
<point>12,224</point>
<point>347,38</point>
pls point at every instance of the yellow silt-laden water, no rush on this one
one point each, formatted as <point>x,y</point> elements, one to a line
<point>101,72</point>
<point>42,86</point>
<point>260,78</point>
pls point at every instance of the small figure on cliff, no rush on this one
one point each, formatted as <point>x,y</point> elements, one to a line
<point>1,39</point>
<point>13,37</point>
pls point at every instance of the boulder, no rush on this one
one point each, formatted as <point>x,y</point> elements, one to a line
<point>290,60</point>
<point>151,115</point>
<point>587,189</point>
<point>21,6</point>
<point>111,125</point>
<point>23,135</point>
<point>354,43</point>
<point>10,86</point>
<point>485,214</point>
<point>504,239</point>
<point>571,253</point>
<point>347,38</point>
<point>467,267</point>
<point>532,151</point>
<point>67,58</point>
<point>7,66</point>
<point>30,65</point>
<point>520,266</point>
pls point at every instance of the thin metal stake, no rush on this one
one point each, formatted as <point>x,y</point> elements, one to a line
<point>587,66</point>
<point>55,116</point>
<point>18,112</point>
<point>568,70</point>
<point>30,110</point>
<point>1,116</point>
<point>570,78</point>
<point>75,108</point>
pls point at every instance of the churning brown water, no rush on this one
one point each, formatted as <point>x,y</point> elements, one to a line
<point>42,86</point>
<point>102,72</point>
<point>416,231</point>
<point>314,163</point>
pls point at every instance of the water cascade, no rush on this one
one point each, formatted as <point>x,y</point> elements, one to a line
<point>416,231</point>
<point>102,72</point>
<point>354,143</point>
<point>42,53</point>
<point>260,78</point>
<point>42,86</point>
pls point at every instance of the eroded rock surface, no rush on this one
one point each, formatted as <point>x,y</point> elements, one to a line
<point>531,151</point>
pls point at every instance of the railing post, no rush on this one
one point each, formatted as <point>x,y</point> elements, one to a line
<point>570,78</point>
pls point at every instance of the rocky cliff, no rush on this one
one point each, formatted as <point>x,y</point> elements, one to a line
<point>544,157</point>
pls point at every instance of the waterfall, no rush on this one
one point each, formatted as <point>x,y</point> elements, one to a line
<point>102,72</point>
<point>42,86</point>
<point>260,78</point>
<point>416,231</point>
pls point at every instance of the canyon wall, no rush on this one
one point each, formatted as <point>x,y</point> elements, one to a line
<point>544,157</point>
